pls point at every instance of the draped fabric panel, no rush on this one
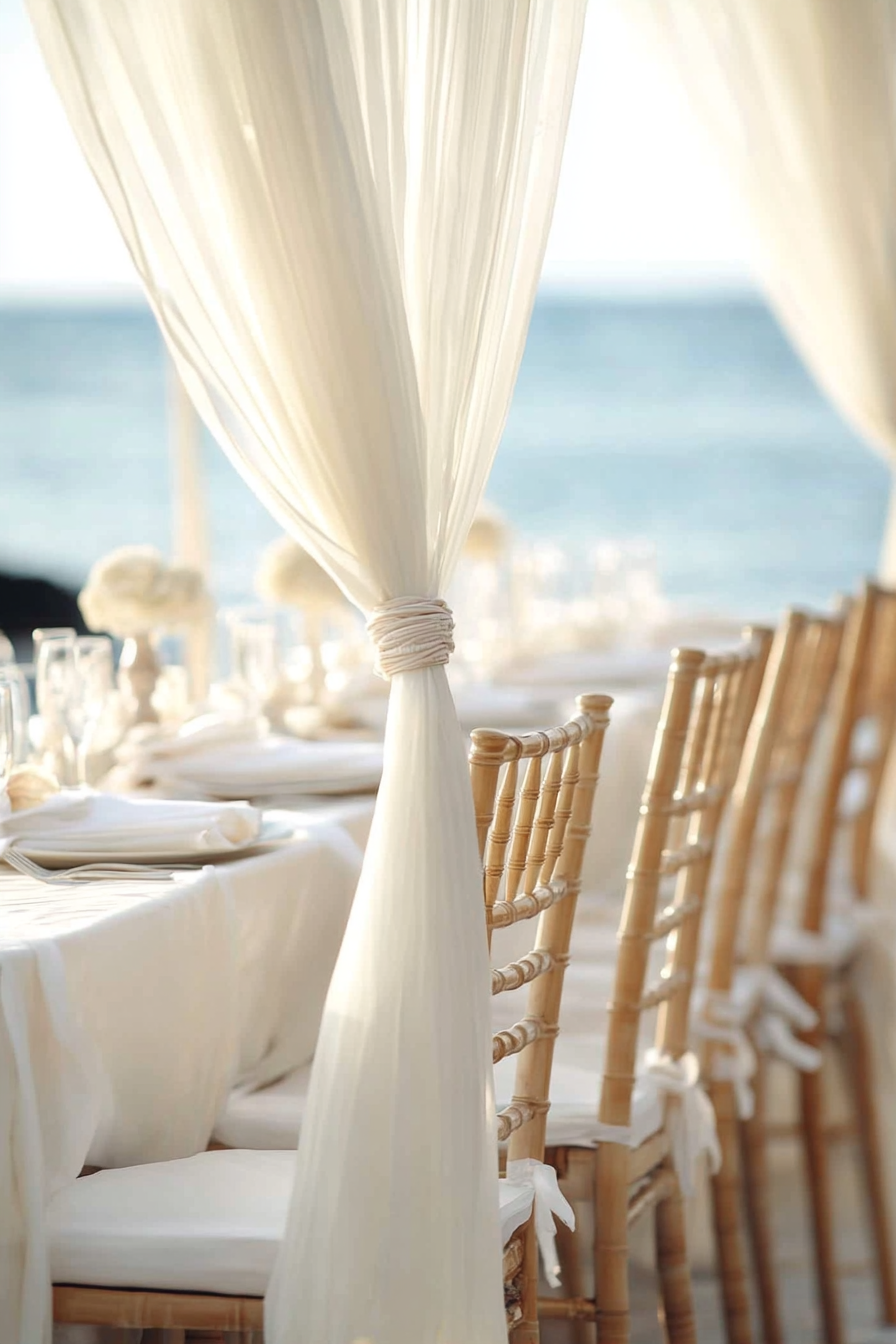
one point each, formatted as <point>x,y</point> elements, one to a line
<point>339,210</point>
<point>799,100</point>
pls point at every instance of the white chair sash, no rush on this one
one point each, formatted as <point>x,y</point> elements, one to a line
<point>690,1118</point>
<point>549,1200</point>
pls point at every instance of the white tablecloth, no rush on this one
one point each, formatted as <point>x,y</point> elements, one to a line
<point>127,1010</point>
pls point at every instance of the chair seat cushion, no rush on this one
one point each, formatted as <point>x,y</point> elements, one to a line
<point>212,1223</point>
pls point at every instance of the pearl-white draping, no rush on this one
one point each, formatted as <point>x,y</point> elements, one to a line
<point>798,100</point>
<point>339,210</point>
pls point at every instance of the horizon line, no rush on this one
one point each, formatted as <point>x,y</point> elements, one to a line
<point>623,287</point>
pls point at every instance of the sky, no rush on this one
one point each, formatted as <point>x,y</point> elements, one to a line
<point>640,206</point>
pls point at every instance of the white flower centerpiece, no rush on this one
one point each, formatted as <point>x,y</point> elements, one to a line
<point>288,576</point>
<point>133,593</point>
<point>488,537</point>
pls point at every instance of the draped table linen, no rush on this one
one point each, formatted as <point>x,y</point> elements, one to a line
<point>128,1009</point>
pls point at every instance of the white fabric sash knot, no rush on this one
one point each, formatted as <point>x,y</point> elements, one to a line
<point>783,1012</point>
<point>691,1120</point>
<point>761,995</point>
<point>719,1019</point>
<point>846,931</point>
<point>411,633</point>
<point>549,1200</point>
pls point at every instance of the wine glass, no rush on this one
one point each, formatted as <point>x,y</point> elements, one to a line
<point>13,676</point>
<point>54,687</point>
<point>92,686</point>
<point>6,737</point>
<point>255,657</point>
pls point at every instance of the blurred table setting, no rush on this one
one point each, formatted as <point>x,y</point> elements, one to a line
<point>181,859</point>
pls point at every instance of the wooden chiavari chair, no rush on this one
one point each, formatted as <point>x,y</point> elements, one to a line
<point>533,827</point>
<point>707,707</point>
<point>783,730</point>
<point>822,958</point>
<point>533,796</point>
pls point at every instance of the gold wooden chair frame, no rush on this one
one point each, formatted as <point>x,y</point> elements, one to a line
<point>863,698</point>
<point>533,825</point>
<point>783,729</point>
<point>706,711</point>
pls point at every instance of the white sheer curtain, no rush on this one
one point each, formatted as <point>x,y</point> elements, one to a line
<point>339,210</point>
<point>799,98</point>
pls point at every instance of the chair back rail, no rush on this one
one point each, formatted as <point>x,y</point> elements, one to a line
<point>533,796</point>
<point>863,706</point>
<point>795,692</point>
<point>699,739</point>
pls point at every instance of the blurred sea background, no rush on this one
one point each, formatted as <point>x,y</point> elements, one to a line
<point>687,420</point>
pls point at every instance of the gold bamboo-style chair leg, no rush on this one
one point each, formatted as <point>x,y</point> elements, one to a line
<point>611,1287</point>
<point>526,1330</point>
<point>727,1212</point>
<point>568,1257</point>
<point>674,1270</point>
<point>818,1176</point>
<point>809,982</point>
<point>858,1055</point>
<point>756,1189</point>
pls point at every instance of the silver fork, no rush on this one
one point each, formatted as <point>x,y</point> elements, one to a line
<point>97,872</point>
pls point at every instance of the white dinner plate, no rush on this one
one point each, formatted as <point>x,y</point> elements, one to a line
<point>271,833</point>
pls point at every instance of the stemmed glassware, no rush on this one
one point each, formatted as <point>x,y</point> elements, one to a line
<point>254,657</point>
<point>93,685</point>
<point>74,680</point>
<point>13,677</point>
<point>6,737</point>
<point>54,660</point>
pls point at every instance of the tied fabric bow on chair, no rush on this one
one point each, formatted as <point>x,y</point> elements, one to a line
<point>777,1011</point>
<point>718,1018</point>
<point>549,1200</point>
<point>692,1122</point>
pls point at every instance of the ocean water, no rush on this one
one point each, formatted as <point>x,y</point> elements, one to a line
<point>688,423</point>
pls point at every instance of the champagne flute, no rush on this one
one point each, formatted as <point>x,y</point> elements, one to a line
<point>92,685</point>
<point>255,658</point>
<point>12,675</point>
<point>6,737</point>
<point>56,682</point>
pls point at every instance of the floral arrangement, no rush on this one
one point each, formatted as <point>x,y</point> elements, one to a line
<point>488,535</point>
<point>134,590</point>
<point>289,576</point>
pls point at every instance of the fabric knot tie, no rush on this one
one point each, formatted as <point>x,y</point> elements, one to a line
<point>411,633</point>
<point>691,1120</point>
<point>548,1199</point>
<point>720,1019</point>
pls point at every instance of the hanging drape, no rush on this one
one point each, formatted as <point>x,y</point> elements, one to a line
<point>339,210</point>
<point>799,98</point>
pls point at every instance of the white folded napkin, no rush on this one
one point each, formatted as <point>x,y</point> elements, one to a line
<point>278,765</point>
<point>220,758</point>
<point>84,822</point>
<point>208,730</point>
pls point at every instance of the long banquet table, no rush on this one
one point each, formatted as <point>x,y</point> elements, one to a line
<point>128,1009</point>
